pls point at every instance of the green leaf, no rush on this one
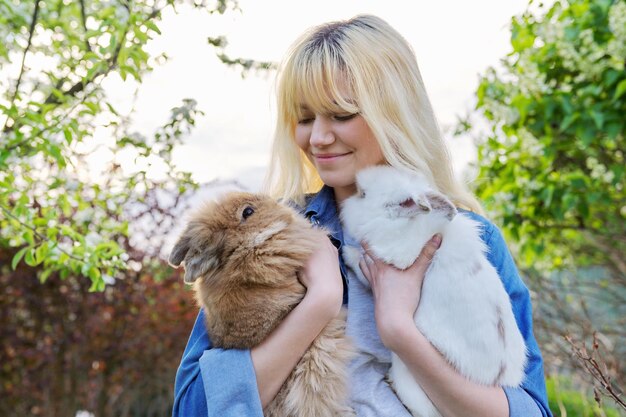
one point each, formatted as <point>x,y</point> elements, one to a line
<point>97,285</point>
<point>44,275</point>
<point>568,120</point>
<point>29,258</point>
<point>93,273</point>
<point>151,25</point>
<point>55,151</point>
<point>583,208</point>
<point>68,135</point>
<point>620,90</point>
<point>521,36</point>
<point>613,129</point>
<point>52,232</point>
<point>41,252</point>
<point>94,108</point>
<point>29,237</point>
<point>547,195</point>
<point>569,201</point>
<point>598,118</point>
<point>586,134</point>
<point>18,256</point>
<point>112,109</point>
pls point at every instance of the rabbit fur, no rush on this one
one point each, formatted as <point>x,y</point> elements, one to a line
<point>243,254</point>
<point>464,310</point>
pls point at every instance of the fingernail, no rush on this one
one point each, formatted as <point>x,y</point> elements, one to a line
<point>437,239</point>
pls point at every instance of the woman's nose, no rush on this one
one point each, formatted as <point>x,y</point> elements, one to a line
<point>322,132</point>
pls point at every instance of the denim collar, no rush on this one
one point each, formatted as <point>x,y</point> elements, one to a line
<point>321,209</point>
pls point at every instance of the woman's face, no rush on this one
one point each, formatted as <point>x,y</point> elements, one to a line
<point>338,145</point>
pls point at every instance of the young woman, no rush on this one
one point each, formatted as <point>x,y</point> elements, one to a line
<point>350,95</point>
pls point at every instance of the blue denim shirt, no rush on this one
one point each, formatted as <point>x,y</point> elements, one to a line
<point>217,382</point>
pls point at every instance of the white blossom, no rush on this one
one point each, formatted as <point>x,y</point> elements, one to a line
<point>92,239</point>
<point>84,216</point>
<point>108,280</point>
<point>617,24</point>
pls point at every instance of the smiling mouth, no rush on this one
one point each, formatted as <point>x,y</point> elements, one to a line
<point>329,157</point>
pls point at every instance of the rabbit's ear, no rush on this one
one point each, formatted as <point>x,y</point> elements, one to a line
<point>440,203</point>
<point>195,263</point>
<point>198,265</point>
<point>179,251</point>
<point>412,206</point>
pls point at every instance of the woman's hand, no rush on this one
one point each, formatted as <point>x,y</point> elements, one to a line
<point>322,277</point>
<point>396,292</point>
<point>276,356</point>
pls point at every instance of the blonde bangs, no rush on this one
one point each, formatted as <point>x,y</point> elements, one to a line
<point>320,83</point>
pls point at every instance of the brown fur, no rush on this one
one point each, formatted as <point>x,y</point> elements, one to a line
<point>244,272</point>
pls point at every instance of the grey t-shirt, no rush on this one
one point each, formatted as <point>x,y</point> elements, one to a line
<point>371,395</point>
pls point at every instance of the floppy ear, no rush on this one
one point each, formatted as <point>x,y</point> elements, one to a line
<point>179,251</point>
<point>441,203</point>
<point>196,263</point>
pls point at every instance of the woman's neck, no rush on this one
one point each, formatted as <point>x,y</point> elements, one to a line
<point>341,193</point>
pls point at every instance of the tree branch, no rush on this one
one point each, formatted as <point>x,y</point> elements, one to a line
<point>83,17</point>
<point>31,30</point>
<point>39,235</point>
<point>598,370</point>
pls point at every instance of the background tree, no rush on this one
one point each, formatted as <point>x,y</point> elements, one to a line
<point>92,318</point>
<point>55,55</point>
<point>551,170</point>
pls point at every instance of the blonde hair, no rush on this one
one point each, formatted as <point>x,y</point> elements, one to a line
<point>370,60</point>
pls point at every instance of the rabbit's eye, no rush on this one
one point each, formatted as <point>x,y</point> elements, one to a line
<point>247,212</point>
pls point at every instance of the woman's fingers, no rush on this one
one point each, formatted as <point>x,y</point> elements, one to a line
<point>428,253</point>
<point>367,266</point>
<point>370,256</point>
<point>423,260</point>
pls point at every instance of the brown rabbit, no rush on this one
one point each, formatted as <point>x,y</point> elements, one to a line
<point>243,255</point>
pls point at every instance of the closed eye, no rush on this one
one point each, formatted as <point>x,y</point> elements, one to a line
<point>407,203</point>
<point>345,117</point>
<point>305,120</point>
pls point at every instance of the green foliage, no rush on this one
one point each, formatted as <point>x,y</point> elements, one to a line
<point>551,171</point>
<point>55,117</point>
<point>551,166</point>
<point>564,401</point>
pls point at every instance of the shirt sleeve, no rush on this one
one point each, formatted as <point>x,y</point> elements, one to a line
<point>530,399</point>
<point>214,382</point>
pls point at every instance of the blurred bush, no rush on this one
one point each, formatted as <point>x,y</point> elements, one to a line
<point>565,401</point>
<point>113,353</point>
<point>550,131</point>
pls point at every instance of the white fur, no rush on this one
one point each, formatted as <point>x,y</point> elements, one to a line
<point>464,309</point>
<point>273,229</point>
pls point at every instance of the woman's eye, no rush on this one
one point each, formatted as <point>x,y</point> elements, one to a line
<point>247,212</point>
<point>344,117</point>
<point>306,119</point>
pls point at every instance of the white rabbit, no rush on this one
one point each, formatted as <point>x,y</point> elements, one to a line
<point>464,310</point>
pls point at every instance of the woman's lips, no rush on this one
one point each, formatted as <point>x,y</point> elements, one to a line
<point>329,157</point>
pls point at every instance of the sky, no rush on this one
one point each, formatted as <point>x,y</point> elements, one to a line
<point>454,41</point>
